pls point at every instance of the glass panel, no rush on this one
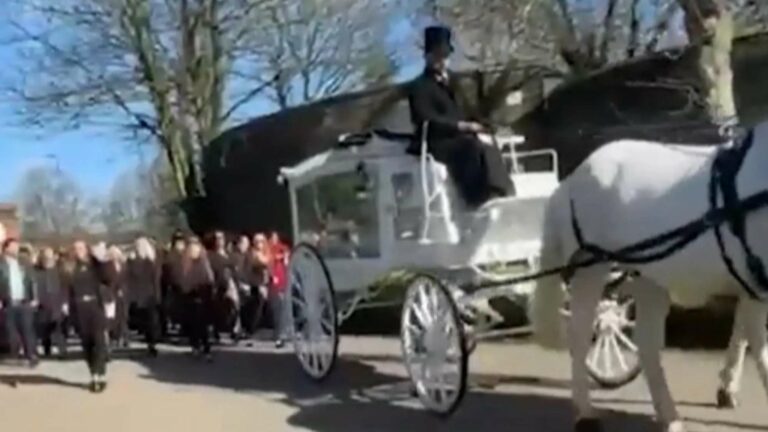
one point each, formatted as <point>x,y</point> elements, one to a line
<point>339,214</point>
<point>409,212</point>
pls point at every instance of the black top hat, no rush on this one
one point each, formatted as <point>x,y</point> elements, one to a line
<point>436,37</point>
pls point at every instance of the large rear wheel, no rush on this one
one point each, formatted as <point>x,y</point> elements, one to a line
<point>312,312</point>
<point>613,359</point>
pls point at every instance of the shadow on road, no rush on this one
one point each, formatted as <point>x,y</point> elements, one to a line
<point>15,380</point>
<point>357,397</point>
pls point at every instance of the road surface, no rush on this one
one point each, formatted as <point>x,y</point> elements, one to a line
<point>515,387</point>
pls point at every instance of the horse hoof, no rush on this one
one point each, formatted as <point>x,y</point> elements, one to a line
<point>726,400</point>
<point>588,425</point>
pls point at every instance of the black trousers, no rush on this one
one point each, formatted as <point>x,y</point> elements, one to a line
<point>119,327</point>
<point>54,331</point>
<point>20,328</point>
<point>148,319</point>
<point>478,170</point>
<point>92,329</point>
<point>199,312</point>
<point>251,311</point>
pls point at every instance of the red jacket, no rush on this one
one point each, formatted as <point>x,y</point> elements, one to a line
<point>279,268</point>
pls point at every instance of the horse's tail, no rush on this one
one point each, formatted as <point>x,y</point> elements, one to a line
<point>548,296</point>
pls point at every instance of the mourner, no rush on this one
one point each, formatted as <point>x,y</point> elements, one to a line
<point>18,299</point>
<point>223,275</point>
<point>117,297</point>
<point>172,299</point>
<point>198,285</point>
<point>146,293</point>
<point>477,169</point>
<point>53,310</point>
<point>86,283</point>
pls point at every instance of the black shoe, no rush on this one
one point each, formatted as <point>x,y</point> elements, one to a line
<point>153,352</point>
<point>94,387</point>
<point>279,343</point>
<point>101,387</point>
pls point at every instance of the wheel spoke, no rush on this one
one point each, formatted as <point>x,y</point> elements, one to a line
<point>626,341</point>
<point>617,352</point>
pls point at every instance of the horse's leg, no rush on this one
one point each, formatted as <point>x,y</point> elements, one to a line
<point>653,305</point>
<point>754,328</point>
<point>730,376</point>
<point>586,289</point>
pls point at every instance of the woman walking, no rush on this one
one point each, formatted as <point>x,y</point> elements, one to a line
<point>198,287</point>
<point>117,298</point>
<point>53,308</point>
<point>146,298</point>
<point>85,284</point>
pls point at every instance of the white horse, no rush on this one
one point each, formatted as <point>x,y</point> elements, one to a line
<point>626,192</point>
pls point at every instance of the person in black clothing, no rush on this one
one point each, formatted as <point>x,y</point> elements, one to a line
<point>144,274</point>
<point>172,307</point>
<point>477,169</point>
<point>225,310</point>
<point>198,284</point>
<point>117,294</point>
<point>53,310</point>
<point>86,284</point>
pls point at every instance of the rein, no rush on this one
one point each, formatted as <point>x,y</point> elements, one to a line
<point>733,211</point>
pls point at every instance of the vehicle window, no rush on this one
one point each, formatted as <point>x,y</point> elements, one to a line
<point>408,204</point>
<point>339,215</point>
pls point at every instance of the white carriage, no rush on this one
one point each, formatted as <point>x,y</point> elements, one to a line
<point>367,209</point>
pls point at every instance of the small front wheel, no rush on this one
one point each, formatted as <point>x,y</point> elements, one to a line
<point>312,312</point>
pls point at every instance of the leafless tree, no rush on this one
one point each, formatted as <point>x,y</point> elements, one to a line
<point>318,48</point>
<point>51,203</point>
<point>179,71</point>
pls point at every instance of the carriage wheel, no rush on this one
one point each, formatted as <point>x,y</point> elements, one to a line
<point>312,312</point>
<point>613,359</point>
<point>434,345</point>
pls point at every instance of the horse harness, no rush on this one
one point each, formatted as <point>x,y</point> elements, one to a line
<point>733,211</point>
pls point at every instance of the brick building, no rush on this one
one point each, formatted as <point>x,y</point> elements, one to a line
<point>9,218</point>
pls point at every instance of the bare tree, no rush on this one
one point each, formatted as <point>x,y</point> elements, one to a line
<point>51,203</point>
<point>310,49</point>
<point>179,71</point>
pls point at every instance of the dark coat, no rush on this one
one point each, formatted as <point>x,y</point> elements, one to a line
<point>223,270</point>
<point>144,276</point>
<point>52,294</point>
<point>87,286</point>
<point>198,279</point>
<point>30,288</point>
<point>434,102</point>
<point>477,170</point>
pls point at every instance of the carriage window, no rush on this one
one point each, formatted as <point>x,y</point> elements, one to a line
<point>339,214</point>
<point>407,199</point>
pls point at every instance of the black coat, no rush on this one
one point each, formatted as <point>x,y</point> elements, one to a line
<point>144,276</point>
<point>478,170</point>
<point>434,102</point>
<point>30,289</point>
<point>87,286</point>
<point>52,294</point>
<point>223,270</point>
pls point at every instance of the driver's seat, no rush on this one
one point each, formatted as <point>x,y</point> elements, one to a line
<point>438,217</point>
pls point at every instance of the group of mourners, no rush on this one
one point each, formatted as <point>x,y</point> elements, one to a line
<point>193,288</point>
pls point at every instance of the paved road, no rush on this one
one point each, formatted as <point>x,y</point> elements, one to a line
<point>259,389</point>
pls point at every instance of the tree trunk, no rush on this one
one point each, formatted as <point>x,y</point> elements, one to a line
<point>710,29</point>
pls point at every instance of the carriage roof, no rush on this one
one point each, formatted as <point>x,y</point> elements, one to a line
<point>354,147</point>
